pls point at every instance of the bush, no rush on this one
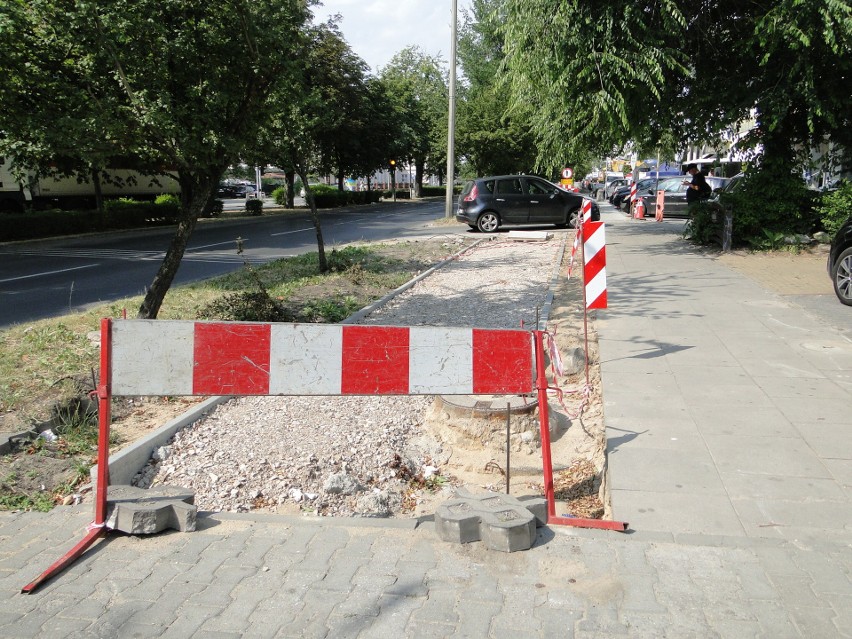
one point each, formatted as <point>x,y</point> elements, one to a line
<point>835,208</point>
<point>254,207</point>
<point>124,213</point>
<point>771,200</point>
<point>167,199</point>
<point>214,208</point>
<point>433,191</point>
<point>25,226</point>
<point>246,306</point>
<point>400,194</point>
<point>280,195</point>
<point>705,225</point>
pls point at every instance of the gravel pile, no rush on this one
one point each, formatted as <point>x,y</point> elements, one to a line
<point>343,456</point>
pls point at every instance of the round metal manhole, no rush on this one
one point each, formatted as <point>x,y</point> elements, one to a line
<point>487,405</point>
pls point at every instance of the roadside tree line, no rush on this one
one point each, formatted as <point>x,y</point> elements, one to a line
<point>191,87</point>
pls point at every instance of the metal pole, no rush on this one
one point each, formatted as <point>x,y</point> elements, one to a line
<point>451,128</point>
<point>508,449</point>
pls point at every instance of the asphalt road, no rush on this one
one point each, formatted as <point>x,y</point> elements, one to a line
<point>51,277</point>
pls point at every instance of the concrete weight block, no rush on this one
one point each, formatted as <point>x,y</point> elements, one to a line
<point>503,522</point>
<point>137,511</point>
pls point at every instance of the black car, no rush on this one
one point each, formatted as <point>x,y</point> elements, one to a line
<point>840,263</point>
<point>487,203</point>
<point>622,194</point>
<point>674,198</point>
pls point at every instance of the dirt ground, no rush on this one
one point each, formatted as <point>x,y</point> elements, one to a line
<point>578,441</point>
<point>785,272</point>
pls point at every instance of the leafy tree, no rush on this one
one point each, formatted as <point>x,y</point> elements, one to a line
<point>587,75</point>
<point>417,87</point>
<point>161,85</point>
<point>491,140</point>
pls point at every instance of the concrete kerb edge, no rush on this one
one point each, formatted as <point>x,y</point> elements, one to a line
<point>124,465</point>
<point>548,300</point>
<point>358,315</point>
<point>131,459</point>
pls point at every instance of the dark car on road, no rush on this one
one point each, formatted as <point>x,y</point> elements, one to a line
<point>675,194</point>
<point>487,203</point>
<point>840,263</point>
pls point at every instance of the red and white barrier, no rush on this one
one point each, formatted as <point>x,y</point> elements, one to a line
<point>233,358</point>
<point>146,357</point>
<point>586,210</point>
<point>633,191</point>
<point>594,265</point>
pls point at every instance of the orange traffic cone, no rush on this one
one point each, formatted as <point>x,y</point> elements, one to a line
<point>639,209</point>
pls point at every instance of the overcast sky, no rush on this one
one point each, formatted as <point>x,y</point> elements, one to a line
<point>377,29</point>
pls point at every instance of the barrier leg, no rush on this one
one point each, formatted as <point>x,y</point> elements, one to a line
<point>97,529</point>
<point>547,461</point>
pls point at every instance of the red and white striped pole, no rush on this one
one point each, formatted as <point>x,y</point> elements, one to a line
<point>594,265</point>
<point>587,210</point>
<point>585,216</point>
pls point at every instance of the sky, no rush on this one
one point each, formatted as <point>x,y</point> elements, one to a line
<point>378,29</point>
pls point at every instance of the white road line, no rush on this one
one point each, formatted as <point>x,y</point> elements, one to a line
<point>310,228</point>
<point>64,270</point>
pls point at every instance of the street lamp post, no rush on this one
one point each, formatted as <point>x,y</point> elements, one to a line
<point>451,129</point>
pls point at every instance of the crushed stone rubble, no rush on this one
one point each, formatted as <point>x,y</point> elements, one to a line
<point>346,456</point>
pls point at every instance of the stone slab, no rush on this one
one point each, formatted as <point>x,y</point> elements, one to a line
<point>137,511</point>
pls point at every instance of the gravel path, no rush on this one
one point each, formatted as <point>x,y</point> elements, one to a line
<point>343,456</point>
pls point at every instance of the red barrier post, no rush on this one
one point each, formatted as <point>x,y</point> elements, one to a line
<point>547,461</point>
<point>97,528</point>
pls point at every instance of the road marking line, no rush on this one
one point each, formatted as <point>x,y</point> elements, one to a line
<point>64,270</point>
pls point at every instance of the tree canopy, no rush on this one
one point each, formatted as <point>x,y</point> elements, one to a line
<point>161,85</point>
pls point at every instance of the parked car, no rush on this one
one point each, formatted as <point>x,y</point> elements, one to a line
<point>621,195</point>
<point>227,190</point>
<point>487,203</point>
<point>247,191</point>
<point>675,195</point>
<point>840,263</point>
<point>599,187</point>
<point>610,187</point>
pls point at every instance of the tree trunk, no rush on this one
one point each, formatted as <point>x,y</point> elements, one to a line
<point>309,196</point>
<point>99,195</point>
<point>340,181</point>
<point>290,177</point>
<point>418,177</point>
<point>196,191</point>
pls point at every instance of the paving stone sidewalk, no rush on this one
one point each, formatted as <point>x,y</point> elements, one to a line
<point>278,576</point>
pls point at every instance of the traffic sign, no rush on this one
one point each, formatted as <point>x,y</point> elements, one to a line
<point>567,173</point>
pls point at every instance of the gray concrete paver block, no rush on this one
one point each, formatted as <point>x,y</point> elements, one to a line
<point>502,522</point>
<point>137,511</point>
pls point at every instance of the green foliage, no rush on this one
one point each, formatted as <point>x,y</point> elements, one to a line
<point>401,194</point>
<point>167,199</point>
<point>330,310</point>
<point>244,306</point>
<point>433,191</point>
<point>120,214</point>
<point>590,76</point>
<point>185,84</point>
<point>254,207</point>
<point>771,241</point>
<point>279,195</point>
<point>705,224</point>
<point>771,200</point>
<point>836,208</point>
<point>214,208</point>
<point>329,197</point>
